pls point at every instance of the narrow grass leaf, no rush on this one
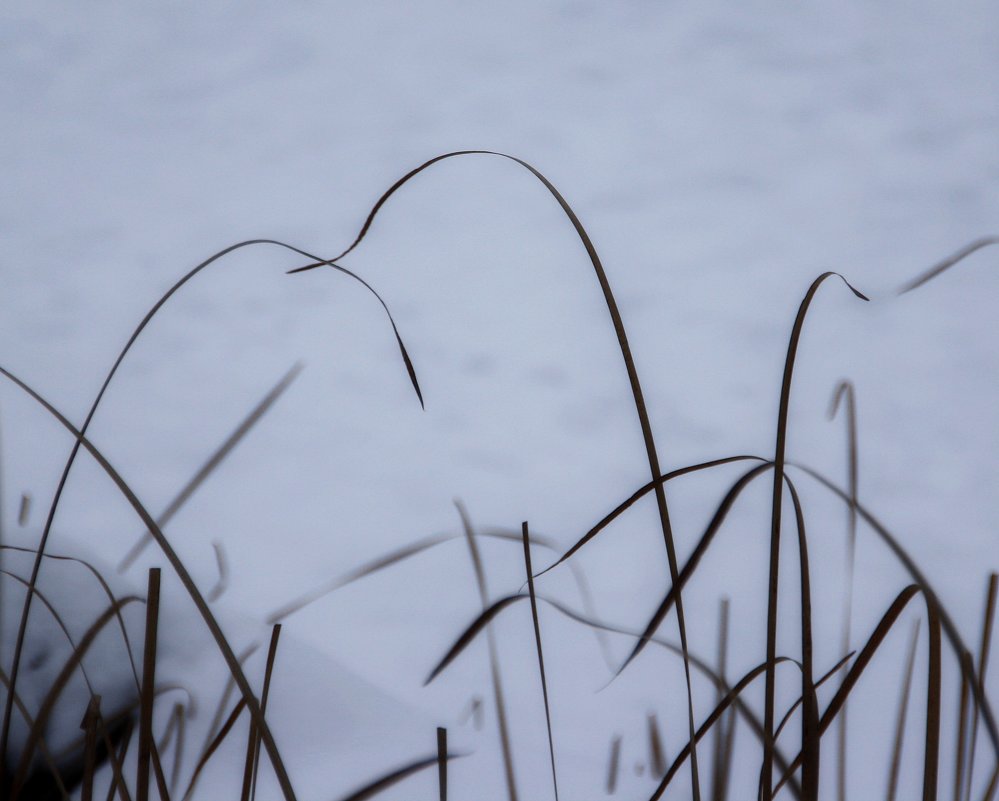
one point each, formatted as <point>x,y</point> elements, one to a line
<point>541,658</point>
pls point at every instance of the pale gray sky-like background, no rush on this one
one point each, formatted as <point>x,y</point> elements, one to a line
<point>720,156</point>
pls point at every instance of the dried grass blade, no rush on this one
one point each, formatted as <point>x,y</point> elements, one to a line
<point>931,752</point>
<point>384,782</point>
<point>960,757</point>
<point>268,673</point>
<point>442,763</point>
<point>147,697</point>
<point>766,770</point>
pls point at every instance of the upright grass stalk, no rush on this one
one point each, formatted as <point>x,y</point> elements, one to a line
<point>766,771</point>
<point>541,657</point>
<point>845,395</point>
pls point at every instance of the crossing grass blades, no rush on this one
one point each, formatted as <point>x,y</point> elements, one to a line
<point>144,751</point>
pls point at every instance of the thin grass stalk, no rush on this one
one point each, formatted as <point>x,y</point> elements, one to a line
<point>442,763</point>
<point>148,685</point>
<point>960,757</point>
<point>845,392</point>
<point>985,646</point>
<point>494,669</point>
<point>265,695</point>
<point>810,741</point>
<point>903,709</point>
<point>541,657</point>
<point>934,682</point>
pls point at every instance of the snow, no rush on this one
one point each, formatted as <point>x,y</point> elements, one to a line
<point>720,156</point>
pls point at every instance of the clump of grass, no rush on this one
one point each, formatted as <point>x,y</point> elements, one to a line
<point>153,763</point>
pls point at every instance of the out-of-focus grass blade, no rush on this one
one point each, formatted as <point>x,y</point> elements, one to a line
<point>845,395</point>
<point>613,764</point>
<point>213,461</point>
<point>657,759</point>
<point>947,263</point>
<point>721,769</point>
<point>222,562</point>
<point>24,509</point>
<point>494,668</point>
<point>903,708</point>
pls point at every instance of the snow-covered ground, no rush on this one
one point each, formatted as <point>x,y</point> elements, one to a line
<point>720,156</point>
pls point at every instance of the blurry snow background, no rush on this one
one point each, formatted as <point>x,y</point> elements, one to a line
<point>720,156</point>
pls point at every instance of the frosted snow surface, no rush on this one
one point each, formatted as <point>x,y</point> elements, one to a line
<point>720,155</point>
